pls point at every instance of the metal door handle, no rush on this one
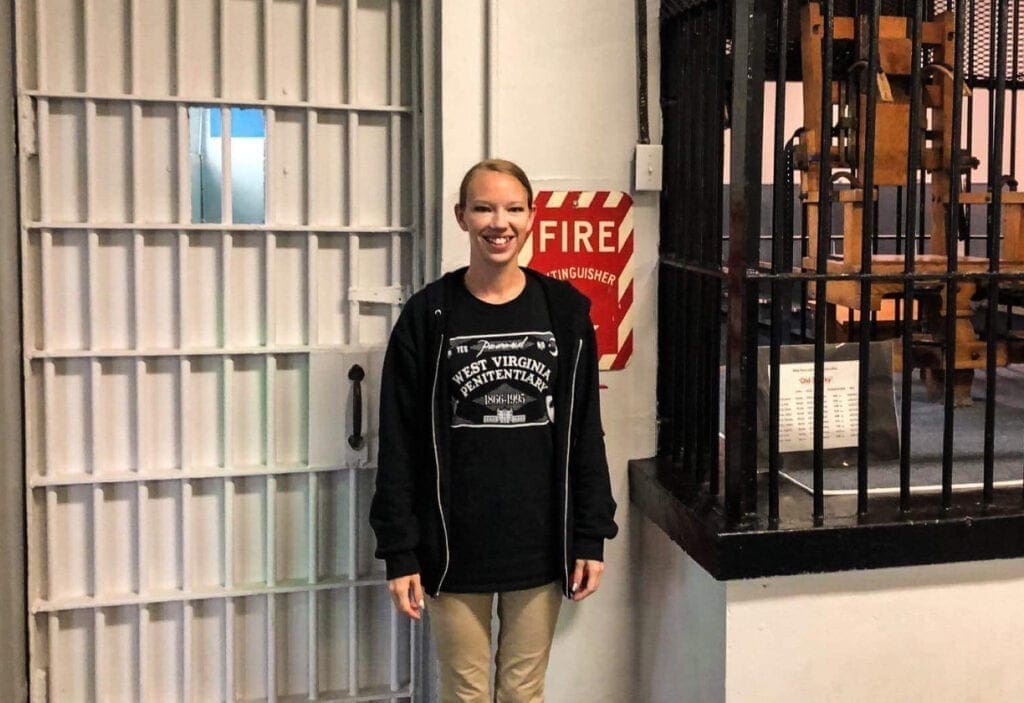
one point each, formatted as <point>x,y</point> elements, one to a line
<point>356,375</point>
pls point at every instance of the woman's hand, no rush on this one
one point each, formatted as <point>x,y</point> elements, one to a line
<point>407,595</point>
<point>586,578</point>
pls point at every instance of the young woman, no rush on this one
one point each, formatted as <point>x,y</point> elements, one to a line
<point>492,479</point>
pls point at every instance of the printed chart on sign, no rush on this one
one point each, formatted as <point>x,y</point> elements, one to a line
<point>796,405</point>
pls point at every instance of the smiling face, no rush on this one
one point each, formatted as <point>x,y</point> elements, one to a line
<point>497,215</point>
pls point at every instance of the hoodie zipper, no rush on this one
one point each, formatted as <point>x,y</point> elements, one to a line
<point>437,454</point>
<point>568,449</point>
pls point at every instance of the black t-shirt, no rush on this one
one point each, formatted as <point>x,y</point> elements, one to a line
<point>501,362</point>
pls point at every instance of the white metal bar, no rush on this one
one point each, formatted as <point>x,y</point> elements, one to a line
<point>353,568</point>
<point>353,277</point>
<point>184,440</point>
<point>420,250</point>
<point>352,55</point>
<point>133,45</point>
<point>394,54</point>
<point>200,351</point>
<point>181,257</point>
<point>270,535</point>
<point>226,242</point>
<point>92,248</point>
<point>189,474</point>
<point>271,653</point>
<point>218,592</point>
<point>179,48</point>
<point>395,173</point>
<point>137,237</point>
<point>105,227</point>
<point>45,257</point>
<point>42,67</point>
<point>43,137</point>
<point>312,296</point>
<point>94,376</point>
<point>413,661</point>
<point>312,648</point>
<point>52,553</point>
<point>142,674</point>
<point>226,207</point>
<point>137,283</point>
<point>312,572</point>
<point>96,521</point>
<point>187,655</point>
<point>312,528</point>
<point>396,276</point>
<point>228,576</point>
<point>393,648</point>
<point>90,161</point>
<point>53,632</point>
<point>309,147</point>
<point>87,43</point>
<point>229,649</point>
<point>395,209</point>
<point>222,48</point>
<point>184,166</point>
<point>351,183</point>
<point>185,543</point>
<point>269,194</point>
<point>269,291</point>
<point>115,98</point>
<point>268,49</point>
<point>353,643</point>
<point>98,654</point>
<point>310,66</point>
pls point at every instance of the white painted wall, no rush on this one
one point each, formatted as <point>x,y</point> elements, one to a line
<point>564,107</point>
<point>948,633</point>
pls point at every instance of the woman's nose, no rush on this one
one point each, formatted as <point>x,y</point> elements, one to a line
<point>499,220</point>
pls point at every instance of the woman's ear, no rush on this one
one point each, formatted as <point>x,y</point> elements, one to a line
<point>460,217</point>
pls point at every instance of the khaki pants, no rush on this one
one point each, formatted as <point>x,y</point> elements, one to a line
<point>461,624</point>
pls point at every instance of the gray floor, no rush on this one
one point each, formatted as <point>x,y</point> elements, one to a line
<point>927,441</point>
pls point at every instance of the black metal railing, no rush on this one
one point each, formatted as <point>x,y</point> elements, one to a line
<point>905,232</point>
<point>690,272</point>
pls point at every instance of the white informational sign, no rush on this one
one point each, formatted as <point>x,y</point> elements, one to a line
<point>796,405</point>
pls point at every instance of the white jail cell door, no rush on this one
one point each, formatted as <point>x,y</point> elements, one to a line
<point>220,219</point>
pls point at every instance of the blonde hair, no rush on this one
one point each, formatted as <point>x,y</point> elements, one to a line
<point>498,166</point>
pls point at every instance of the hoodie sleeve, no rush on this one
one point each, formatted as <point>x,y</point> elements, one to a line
<point>593,505</point>
<point>392,512</point>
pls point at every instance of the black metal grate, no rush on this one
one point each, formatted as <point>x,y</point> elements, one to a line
<point>672,8</point>
<point>694,78</point>
<point>979,69</point>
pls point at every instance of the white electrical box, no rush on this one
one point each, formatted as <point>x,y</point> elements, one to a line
<point>648,167</point>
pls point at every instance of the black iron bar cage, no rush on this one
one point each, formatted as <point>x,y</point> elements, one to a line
<point>883,238</point>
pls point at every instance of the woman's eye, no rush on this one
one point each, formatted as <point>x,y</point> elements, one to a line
<point>481,208</point>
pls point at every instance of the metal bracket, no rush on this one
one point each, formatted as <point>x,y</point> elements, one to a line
<point>28,137</point>
<point>389,295</point>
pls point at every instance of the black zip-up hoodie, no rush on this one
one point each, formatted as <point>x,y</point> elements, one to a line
<point>411,503</point>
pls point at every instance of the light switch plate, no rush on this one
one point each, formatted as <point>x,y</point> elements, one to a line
<point>647,175</point>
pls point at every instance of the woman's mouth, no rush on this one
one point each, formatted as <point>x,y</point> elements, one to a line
<point>499,241</point>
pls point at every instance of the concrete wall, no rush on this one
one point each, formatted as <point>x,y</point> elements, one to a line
<point>946,634</point>
<point>563,104</point>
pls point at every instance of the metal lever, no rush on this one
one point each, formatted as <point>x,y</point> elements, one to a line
<point>356,374</point>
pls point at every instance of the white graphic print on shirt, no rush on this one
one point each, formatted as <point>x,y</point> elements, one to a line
<point>502,380</point>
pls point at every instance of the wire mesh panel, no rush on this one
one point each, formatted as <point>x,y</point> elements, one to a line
<point>220,220</point>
